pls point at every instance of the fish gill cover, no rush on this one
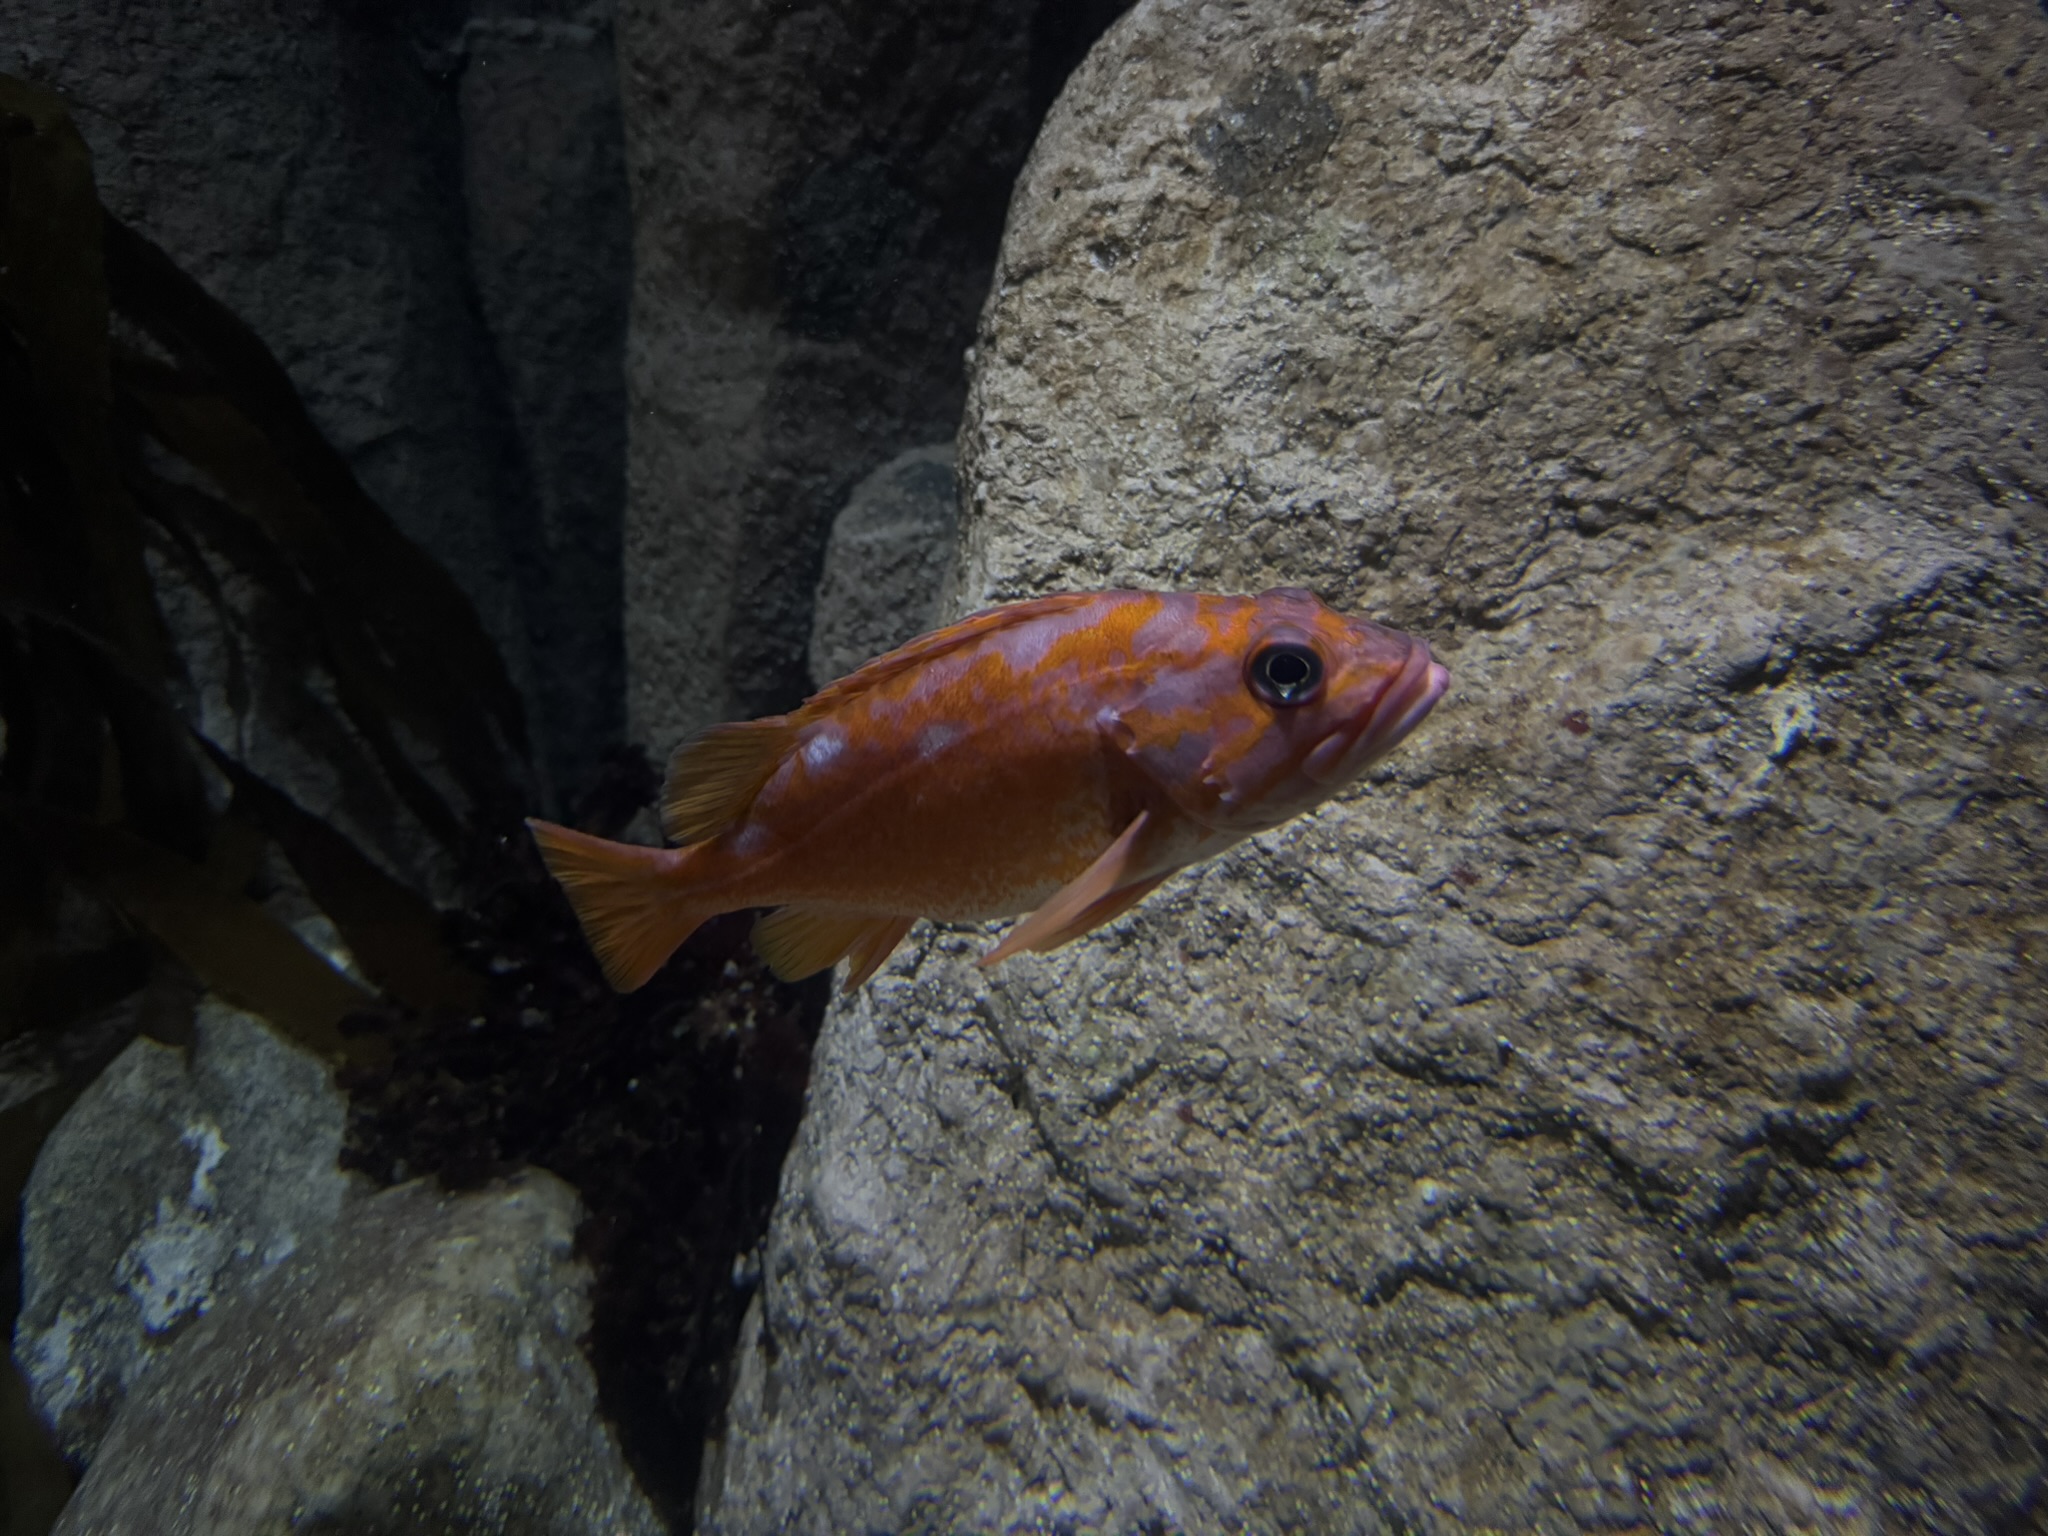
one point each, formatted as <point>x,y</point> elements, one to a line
<point>200,610</point>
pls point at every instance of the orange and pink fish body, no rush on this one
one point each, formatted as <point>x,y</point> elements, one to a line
<point>1060,757</point>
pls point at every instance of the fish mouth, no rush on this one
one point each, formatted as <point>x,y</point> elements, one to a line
<point>1400,707</point>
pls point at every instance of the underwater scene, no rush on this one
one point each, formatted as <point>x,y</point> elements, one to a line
<point>1063,766</point>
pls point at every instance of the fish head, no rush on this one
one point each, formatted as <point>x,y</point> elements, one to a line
<point>1290,702</point>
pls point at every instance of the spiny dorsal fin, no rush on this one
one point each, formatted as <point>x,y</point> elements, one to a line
<point>927,647</point>
<point>714,776</point>
<point>802,941</point>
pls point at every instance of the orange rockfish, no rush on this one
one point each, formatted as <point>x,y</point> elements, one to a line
<point>1060,757</point>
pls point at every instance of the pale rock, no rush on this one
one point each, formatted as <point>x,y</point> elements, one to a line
<point>888,563</point>
<point>1626,1108</point>
<point>174,1178</point>
<point>419,1372</point>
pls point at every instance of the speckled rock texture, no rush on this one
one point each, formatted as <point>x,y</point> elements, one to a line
<point>889,564</point>
<point>419,1373</point>
<point>422,210</point>
<point>818,195</point>
<point>172,1181</point>
<point>1626,1110</point>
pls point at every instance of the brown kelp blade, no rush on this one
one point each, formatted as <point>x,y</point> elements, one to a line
<point>393,932</point>
<point>229,942</point>
<point>193,445</point>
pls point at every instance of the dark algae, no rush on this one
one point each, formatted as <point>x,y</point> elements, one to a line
<point>154,844</point>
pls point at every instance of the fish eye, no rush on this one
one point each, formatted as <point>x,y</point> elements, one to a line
<point>1285,674</point>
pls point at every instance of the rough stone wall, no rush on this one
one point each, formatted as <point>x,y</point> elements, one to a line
<point>818,191</point>
<point>888,564</point>
<point>1626,1110</point>
<point>423,214</point>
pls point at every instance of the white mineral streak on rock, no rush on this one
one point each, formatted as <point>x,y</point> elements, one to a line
<point>172,1179</point>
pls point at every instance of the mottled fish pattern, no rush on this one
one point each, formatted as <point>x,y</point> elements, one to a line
<point>1059,757</point>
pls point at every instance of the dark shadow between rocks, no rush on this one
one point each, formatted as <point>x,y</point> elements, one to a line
<point>669,1110</point>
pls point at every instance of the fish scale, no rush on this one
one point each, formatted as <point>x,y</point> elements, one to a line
<point>1059,757</point>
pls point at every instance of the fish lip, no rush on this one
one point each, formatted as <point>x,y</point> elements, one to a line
<point>1398,714</point>
<point>1399,708</point>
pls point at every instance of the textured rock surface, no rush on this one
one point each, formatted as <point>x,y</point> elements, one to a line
<point>818,192</point>
<point>341,176</point>
<point>889,562</point>
<point>420,1373</point>
<point>169,1184</point>
<point>1627,1109</point>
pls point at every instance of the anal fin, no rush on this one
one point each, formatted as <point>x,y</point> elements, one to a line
<point>714,776</point>
<point>1054,923</point>
<point>873,947</point>
<point>802,941</point>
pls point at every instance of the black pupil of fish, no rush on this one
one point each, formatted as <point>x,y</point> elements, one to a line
<point>1287,674</point>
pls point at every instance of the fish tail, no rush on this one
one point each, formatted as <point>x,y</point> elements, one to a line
<point>625,897</point>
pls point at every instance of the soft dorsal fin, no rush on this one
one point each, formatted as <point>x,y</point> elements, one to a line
<point>715,775</point>
<point>929,647</point>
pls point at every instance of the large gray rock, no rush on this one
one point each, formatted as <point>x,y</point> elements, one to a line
<point>173,1180</point>
<point>426,222</point>
<point>420,1373</point>
<point>889,564</point>
<point>817,197</point>
<point>1628,1109</point>
<point>234,1336</point>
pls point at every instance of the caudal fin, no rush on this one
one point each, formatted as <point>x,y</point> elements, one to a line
<point>624,897</point>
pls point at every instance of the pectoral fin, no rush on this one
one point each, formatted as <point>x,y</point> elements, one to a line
<point>1111,907</point>
<point>1097,886</point>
